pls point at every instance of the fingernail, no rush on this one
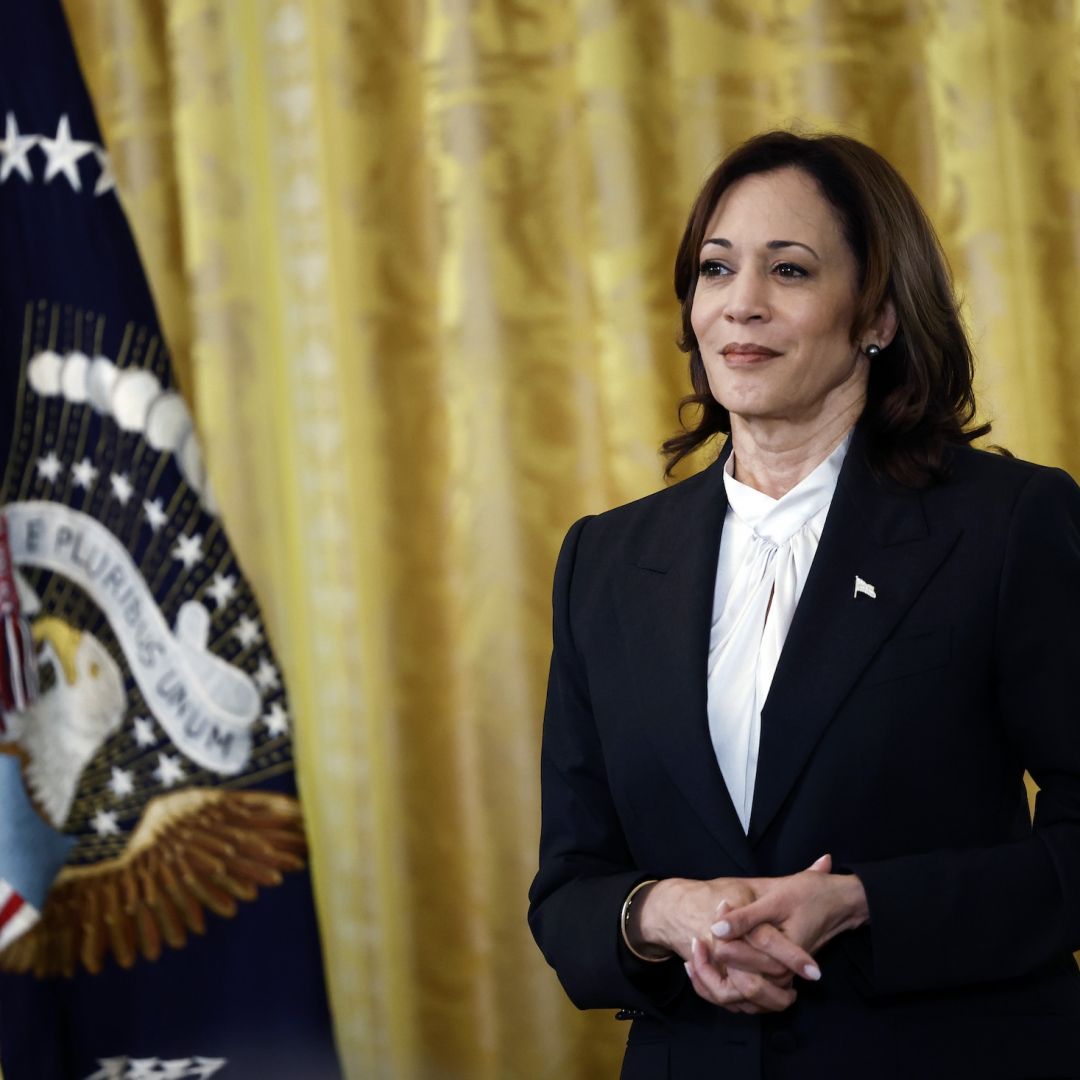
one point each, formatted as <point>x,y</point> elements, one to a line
<point>688,971</point>
<point>721,907</point>
<point>721,929</point>
<point>694,946</point>
<point>812,972</point>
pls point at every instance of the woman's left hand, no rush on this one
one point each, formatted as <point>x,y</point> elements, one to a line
<point>808,908</point>
<point>719,972</point>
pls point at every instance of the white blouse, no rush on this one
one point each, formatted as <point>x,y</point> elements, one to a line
<point>766,549</point>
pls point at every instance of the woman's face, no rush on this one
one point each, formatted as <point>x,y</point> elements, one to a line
<point>775,302</point>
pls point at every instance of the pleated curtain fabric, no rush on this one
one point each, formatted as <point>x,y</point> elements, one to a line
<point>413,261</point>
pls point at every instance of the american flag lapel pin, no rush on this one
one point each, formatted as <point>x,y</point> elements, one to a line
<point>865,588</point>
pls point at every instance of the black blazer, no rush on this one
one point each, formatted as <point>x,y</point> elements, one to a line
<point>895,737</point>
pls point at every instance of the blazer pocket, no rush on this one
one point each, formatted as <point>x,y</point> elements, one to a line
<point>908,655</point>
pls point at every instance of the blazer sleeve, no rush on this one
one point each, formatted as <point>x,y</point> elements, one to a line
<point>957,917</point>
<point>586,869</point>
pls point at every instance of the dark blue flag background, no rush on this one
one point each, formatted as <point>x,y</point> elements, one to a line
<point>155,909</point>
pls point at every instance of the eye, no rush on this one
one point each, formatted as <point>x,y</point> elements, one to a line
<point>713,268</point>
<point>790,270</point>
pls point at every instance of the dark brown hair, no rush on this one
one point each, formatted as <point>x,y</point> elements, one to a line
<point>920,398</point>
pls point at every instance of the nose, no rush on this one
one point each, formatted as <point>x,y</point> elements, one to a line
<point>746,299</point>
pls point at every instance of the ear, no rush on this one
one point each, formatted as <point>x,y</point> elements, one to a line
<point>883,326</point>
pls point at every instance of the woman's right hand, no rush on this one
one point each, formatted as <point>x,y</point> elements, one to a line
<point>676,913</point>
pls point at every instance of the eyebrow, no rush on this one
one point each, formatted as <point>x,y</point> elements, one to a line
<point>772,245</point>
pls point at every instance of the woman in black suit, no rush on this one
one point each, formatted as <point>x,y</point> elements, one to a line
<point>792,698</point>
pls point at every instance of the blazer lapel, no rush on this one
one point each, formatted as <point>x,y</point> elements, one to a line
<point>665,611</point>
<point>880,535</point>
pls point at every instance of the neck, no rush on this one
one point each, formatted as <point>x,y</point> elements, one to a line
<point>772,456</point>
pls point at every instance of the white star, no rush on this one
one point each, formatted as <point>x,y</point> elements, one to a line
<point>222,590</point>
<point>85,473</point>
<point>143,1069</point>
<point>169,771</point>
<point>122,782</point>
<point>13,151</point>
<point>176,1069</point>
<point>266,678</point>
<point>276,720</point>
<point>247,630</point>
<point>188,549</point>
<point>49,467</point>
<point>204,1068</point>
<point>64,153</point>
<point>106,181</point>
<point>104,823</point>
<point>155,513</point>
<point>121,487</point>
<point>144,732</point>
<point>111,1069</point>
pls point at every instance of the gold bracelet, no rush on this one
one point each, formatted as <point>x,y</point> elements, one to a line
<point>624,922</point>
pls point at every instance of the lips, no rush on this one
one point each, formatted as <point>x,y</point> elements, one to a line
<point>742,352</point>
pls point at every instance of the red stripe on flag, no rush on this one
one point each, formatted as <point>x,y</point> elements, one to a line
<point>14,902</point>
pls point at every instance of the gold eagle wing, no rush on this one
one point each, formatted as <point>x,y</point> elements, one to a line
<point>193,850</point>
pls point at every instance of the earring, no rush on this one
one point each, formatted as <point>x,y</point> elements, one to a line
<point>872,350</point>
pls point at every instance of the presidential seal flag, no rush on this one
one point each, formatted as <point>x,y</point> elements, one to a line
<point>155,910</point>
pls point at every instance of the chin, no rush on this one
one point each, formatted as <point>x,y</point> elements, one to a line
<point>754,406</point>
<point>749,394</point>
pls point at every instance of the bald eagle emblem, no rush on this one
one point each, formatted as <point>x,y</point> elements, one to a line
<point>153,764</point>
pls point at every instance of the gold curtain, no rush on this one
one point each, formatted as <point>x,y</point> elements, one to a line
<point>413,259</point>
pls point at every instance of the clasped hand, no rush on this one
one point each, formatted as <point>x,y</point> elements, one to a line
<point>745,940</point>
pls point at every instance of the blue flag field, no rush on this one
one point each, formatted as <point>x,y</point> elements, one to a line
<point>156,917</point>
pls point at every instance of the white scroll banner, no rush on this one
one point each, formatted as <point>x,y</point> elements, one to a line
<point>204,703</point>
